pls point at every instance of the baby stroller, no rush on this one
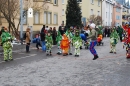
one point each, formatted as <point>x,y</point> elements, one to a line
<point>84,38</point>
<point>99,40</point>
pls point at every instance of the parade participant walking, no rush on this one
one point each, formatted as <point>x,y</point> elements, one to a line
<point>58,39</point>
<point>93,42</point>
<point>70,36</point>
<point>77,42</point>
<point>120,32</point>
<point>27,40</point>
<point>49,43</point>
<point>6,43</point>
<point>114,37</point>
<point>64,45</point>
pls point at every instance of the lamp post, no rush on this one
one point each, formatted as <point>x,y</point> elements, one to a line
<point>21,21</point>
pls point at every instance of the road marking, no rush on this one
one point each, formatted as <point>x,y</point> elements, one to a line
<point>21,57</point>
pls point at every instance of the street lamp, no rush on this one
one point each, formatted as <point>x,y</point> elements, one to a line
<point>21,21</point>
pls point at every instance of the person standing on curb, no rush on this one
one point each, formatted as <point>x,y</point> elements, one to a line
<point>93,42</point>
<point>27,40</point>
<point>43,33</point>
<point>6,43</point>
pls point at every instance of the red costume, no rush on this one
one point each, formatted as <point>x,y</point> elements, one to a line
<point>65,45</point>
<point>127,40</point>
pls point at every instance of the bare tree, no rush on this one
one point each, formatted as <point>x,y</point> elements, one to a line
<point>10,10</point>
<point>95,19</point>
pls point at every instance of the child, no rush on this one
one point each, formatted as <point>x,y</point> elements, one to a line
<point>58,39</point>
<point>65,45</point>
<point>70,36</point>
<point>38,41</point>
<point>49,42</point>
<point>77,42</point>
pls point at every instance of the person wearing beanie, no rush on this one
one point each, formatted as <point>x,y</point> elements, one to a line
<point>93,42</point>
<point>6,43</point>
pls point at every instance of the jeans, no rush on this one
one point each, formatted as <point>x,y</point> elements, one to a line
<point>43,45</point>
<point>92,49</point>
<point>27,47</point>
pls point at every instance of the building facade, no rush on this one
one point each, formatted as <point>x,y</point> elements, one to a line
<point>49,15</point>
<point>88,7</point>
<point>117,14</point>
<point>107,12</point>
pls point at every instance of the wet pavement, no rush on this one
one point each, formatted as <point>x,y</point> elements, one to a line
<point>37,69</point>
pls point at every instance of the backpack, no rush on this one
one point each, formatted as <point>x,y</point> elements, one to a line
<point>24,36</point>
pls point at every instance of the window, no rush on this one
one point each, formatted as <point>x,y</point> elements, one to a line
<point>45,15</point>
<point>55,19</point>
<point>36,18</point>
<point>117,17</point>
<point>62,1</point>
<point>98,13</point>
<point>106,14</point>
<point>24,17</point>
<point>79,0</point>
<point>118,9</point>
<point>55,2</point>
<point>48,0</point>
<point>63,12</point>
<point>106,23</point>
<point>91,1</point>
<point>91,11</point>
<point>49,18</point>
<point>98,2</point>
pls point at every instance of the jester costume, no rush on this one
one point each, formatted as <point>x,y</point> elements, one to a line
<point>77,42</point>
<point>65,45</point>
<point>7,46</point>
<point>70,36</point>
<point>100,36</point>
<point>49,42</point>
<point>114,37</point>
<point>58,39</point>
<point>126,40</point>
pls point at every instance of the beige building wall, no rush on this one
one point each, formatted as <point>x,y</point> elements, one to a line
<point>86,6</point>
<point>52,8</point>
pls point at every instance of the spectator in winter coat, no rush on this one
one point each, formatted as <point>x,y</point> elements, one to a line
<point>43,32</point>
<point>54,35</point>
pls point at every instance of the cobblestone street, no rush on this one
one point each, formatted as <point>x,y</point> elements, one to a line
<point>36,69</point>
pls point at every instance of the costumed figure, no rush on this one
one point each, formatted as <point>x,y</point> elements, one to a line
<point>114,37</point>
<point>126,40</point>
<point>100,36</point>
<point>65,45</point>
<point>49,43</point>
<point>93,37</point>
<point>70,36</point>
<point>120,32</point>
<point>58,39</point>
<point>77,42</point>
<point>6,43</point>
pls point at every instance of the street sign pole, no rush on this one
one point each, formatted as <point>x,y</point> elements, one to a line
<point>21,21</point>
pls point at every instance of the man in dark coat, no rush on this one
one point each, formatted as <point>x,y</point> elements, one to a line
<point>43,38</point>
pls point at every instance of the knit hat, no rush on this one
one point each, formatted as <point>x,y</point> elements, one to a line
<point>92,25</point>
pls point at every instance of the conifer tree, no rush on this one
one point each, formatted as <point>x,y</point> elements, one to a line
<point>73,14</point>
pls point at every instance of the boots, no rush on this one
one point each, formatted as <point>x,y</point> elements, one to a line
<point>95,57</point>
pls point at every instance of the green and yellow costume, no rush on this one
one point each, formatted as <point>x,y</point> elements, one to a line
<point>114,37</point>
<point>77,42</point>
<point>7,46</point>
<point>58,39</point>
<point>49,43</point>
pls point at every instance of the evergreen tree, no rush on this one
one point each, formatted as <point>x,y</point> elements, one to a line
<point>73,14</point>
